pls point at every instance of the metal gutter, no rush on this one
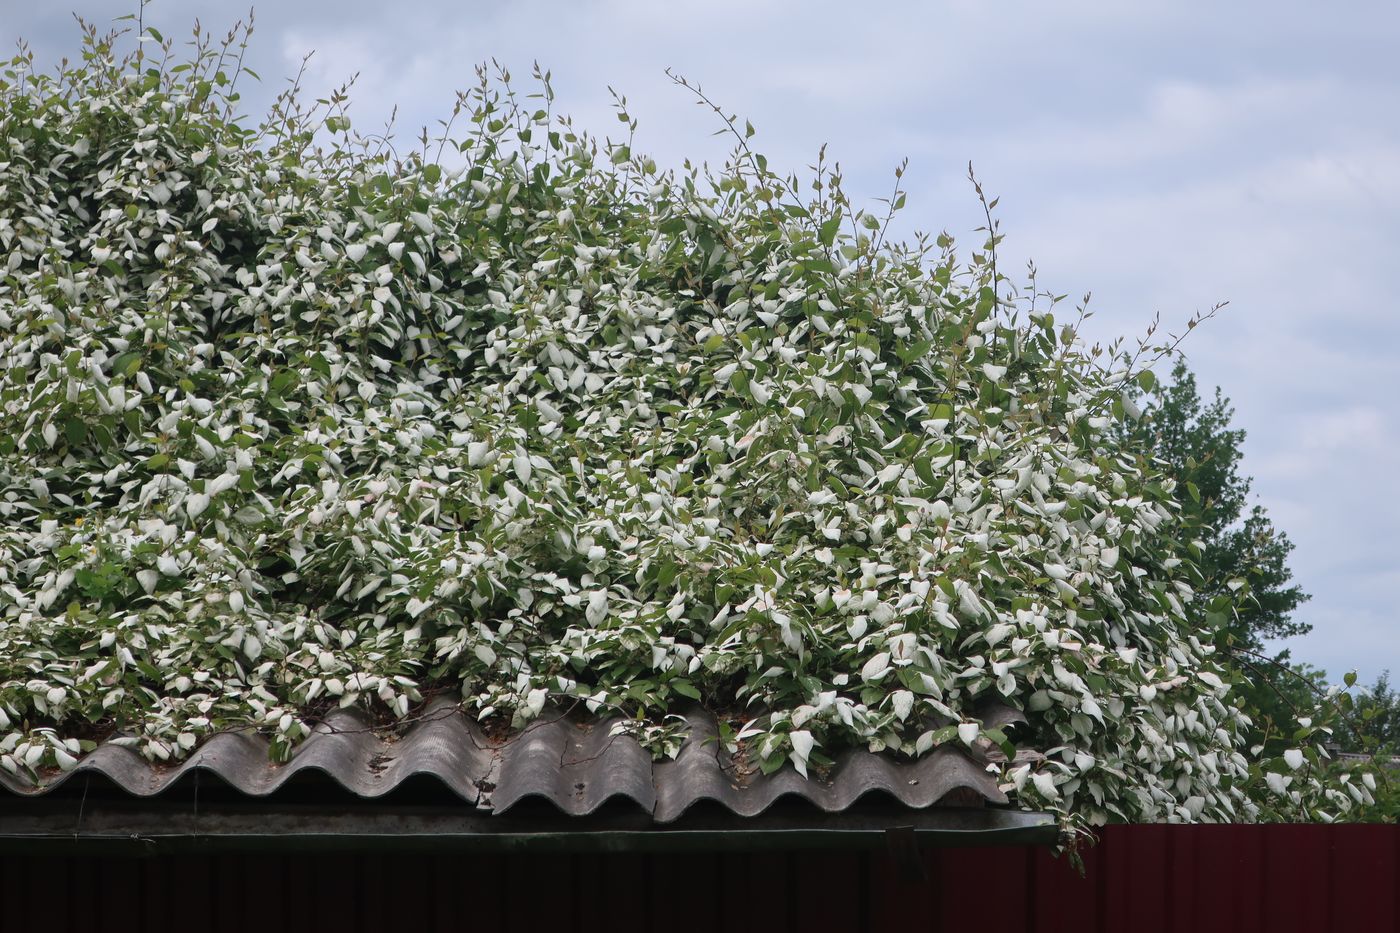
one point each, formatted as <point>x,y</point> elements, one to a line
<point>155,830</point>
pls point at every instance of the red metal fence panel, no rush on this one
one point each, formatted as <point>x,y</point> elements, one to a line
<point>1138,879</point>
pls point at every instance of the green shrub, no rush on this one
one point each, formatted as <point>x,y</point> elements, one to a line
<point>292,419</point>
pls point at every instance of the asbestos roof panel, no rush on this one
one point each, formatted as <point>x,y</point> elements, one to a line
<point>576,766</point>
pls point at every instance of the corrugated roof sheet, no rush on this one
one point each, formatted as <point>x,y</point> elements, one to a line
<point>576,766</point>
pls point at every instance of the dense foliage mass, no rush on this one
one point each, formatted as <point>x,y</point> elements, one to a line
<point>289,419</point>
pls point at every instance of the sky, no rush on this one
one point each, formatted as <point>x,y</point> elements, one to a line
<point>1164,156</point>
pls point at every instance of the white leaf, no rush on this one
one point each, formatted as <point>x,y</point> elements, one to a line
<point>1045,783</point>
<point>547,410</point>
<point>968,601</point>
<point>1294,758</point>
<point>802,743</point>
<point>967,732</point>
<point>196,504</point>
<point>998,632</point>
<point>597,609</point>
<point>903,702</point>
<point>876,667</point>
<point>478,454</point>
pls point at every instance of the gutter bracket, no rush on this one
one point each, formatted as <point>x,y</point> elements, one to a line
<point>904,851</point>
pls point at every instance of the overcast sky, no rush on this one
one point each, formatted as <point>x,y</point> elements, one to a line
<point>1163,155</point>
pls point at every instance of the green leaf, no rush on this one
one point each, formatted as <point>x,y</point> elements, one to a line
<point>126,363</point>
<point>945,734</point>
<point>76,431</point>
<point>666,574</point>
<point>1002,742</point>
<point>828,232</point>
<point>284,379</point>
